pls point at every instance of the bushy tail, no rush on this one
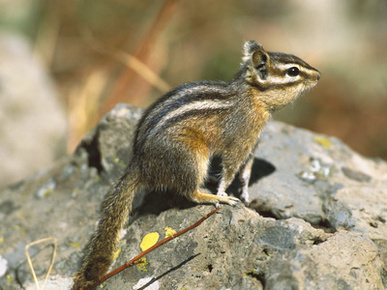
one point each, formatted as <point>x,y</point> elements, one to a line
<point>103,244</point>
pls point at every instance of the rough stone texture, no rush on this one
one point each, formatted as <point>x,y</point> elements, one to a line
<point>33,122</point>
<point>322,221</point>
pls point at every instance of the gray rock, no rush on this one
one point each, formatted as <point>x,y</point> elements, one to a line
<point>33,122</point>
<point>317,219</point>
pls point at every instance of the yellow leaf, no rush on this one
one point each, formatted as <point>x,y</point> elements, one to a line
<point>149,240</point>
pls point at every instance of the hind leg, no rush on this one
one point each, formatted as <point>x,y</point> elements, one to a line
<point>197,167</point>
<point>203,196</point>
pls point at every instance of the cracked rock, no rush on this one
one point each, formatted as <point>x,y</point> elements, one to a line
<point>317,219</point>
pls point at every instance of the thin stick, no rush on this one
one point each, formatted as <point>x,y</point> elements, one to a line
<point>143,51</point>
<point>51,263</point>
<point>162,242</point>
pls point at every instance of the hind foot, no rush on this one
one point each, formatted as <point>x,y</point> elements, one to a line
<point>203,196</point>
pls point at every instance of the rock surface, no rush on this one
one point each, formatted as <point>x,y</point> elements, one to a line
<point>317,219</point>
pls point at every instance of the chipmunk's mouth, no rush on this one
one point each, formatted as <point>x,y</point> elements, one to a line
<point>310,83</point>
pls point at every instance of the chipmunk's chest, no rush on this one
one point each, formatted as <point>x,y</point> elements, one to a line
<point>254,113</point>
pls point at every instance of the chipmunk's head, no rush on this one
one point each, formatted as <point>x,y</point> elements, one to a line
<point>280,77</point>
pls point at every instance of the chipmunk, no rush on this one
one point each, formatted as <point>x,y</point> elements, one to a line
<point>180,133</point>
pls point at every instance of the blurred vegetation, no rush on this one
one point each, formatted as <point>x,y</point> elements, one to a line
<point>100,52</point>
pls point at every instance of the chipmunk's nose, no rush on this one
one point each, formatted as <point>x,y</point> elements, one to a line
<point>318,75</point>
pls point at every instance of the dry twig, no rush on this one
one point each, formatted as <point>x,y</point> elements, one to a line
<point>136,260</point>
<point>54,241</point>
<point>141,55</point>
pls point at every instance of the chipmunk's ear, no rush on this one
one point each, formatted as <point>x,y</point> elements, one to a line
<point>257,57</point>
<point>254,52</point>
<point>250,47</point>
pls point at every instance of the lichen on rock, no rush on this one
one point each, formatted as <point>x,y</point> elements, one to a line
<point>326,232</point>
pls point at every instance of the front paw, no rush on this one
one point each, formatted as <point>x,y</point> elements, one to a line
<point>245,198</point>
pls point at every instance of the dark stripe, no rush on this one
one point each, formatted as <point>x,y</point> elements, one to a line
<point>176,120</point>
<point>183,100</point>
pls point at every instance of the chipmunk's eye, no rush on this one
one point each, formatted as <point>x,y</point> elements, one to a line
<point>293,71</point>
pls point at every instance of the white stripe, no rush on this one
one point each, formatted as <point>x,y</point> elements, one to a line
<point>186,91</point>
<point>287,65</point>
<point>283,80</point>
<point>198,105</point>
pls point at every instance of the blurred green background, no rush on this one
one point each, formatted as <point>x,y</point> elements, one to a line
<point>87,49</point>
